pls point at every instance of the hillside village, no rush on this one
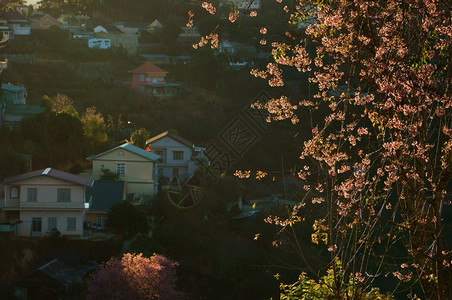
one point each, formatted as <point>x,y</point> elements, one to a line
<point>124,158</point>
<point>128,143</point>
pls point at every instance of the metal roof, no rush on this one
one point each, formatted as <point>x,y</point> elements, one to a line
<point>171,135</point>
<point>51,173</point>
<point>132,148</point>
<point>54,274</point>
<point>12,87</point>
<point>106,193</point>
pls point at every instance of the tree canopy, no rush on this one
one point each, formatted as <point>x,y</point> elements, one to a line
<point>377,157</point>
<point>126,219</point>
<point>135,277</point>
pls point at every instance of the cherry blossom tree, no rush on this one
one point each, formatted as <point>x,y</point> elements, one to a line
<point>378,159</point>
<point>135,277</point>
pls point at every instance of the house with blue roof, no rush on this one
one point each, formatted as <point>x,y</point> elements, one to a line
<point>135,166</point>
<point>13,94</point>
<point>105,193</point>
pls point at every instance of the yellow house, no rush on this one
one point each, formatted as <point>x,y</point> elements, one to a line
<point>136,166</point>
<point>45,200</point>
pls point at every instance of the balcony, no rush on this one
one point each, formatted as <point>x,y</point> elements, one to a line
<point>51,205</point>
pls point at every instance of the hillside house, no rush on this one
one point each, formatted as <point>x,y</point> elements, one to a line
<point>43,21</point>
<point>53,279</point>
<point>13,114</point>
<point>105,193</point>
<point>120,36</point>
<point>135,166</point>
<point>95,43</point>
<point>13,94</point>
<point>154,25</point>
<point>45,200</point>
<point>13,107</point>
<point>19,26</point>
<point>150,79</point>
<point>179,157</point>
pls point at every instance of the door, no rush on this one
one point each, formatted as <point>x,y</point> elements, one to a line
<point>36,227</point>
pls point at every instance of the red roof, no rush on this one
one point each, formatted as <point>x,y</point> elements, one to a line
<point>148,68</point>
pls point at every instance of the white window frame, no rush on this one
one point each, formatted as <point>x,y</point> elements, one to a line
<point>121,169</point>
<point>71,224</point>
<point>14,192</point>
<point>64,195</point>
<point>51,223</point>
<point>101,221</point>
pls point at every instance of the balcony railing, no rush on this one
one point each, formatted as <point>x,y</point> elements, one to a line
<point>45,205</point>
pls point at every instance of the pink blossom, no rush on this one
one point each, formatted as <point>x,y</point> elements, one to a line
<point>209,7</point>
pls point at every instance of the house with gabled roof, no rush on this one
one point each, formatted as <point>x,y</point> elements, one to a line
<point>18,24</point>
<point>135,166</point>
<point>120,36</point>
<point>46,200</point>
<point>153,26</point>
<point>150,79</point>
<point>55,277</point>
<point>179,157</point>
<point>43,21</point>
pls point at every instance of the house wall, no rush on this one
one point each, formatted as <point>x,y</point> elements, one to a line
<point>45,23</point>
<point>141,79</point>
<point>91,216</point>
<point>129,42</point>
<point>47,194</point>
<point>61,218</point>
<point>21,29</point>
<point>99,43</point>
<point>46,205</point>
<point>166,167</point>
<point>138,170</point>
<point>14,97</point>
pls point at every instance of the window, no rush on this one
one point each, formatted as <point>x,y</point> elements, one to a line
<point>71,223</point>
<point>64,195</point>
<point>101,220</point>
<point>121,169</point>
<point>160,152</point>
<point>141,77</point>
<point>36,224</point>
<point>52,224</point>
<point>120,152</point>
<point>178,155</point>
<point>32,194</point>
<point>14,192</point>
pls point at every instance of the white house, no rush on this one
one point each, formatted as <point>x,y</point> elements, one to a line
<point>99,43</point>
<point>45,200</point>
<point>178,155</point>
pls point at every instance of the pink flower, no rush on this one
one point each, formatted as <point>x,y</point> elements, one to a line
<point>233,16</point>
<point>209,7</point>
